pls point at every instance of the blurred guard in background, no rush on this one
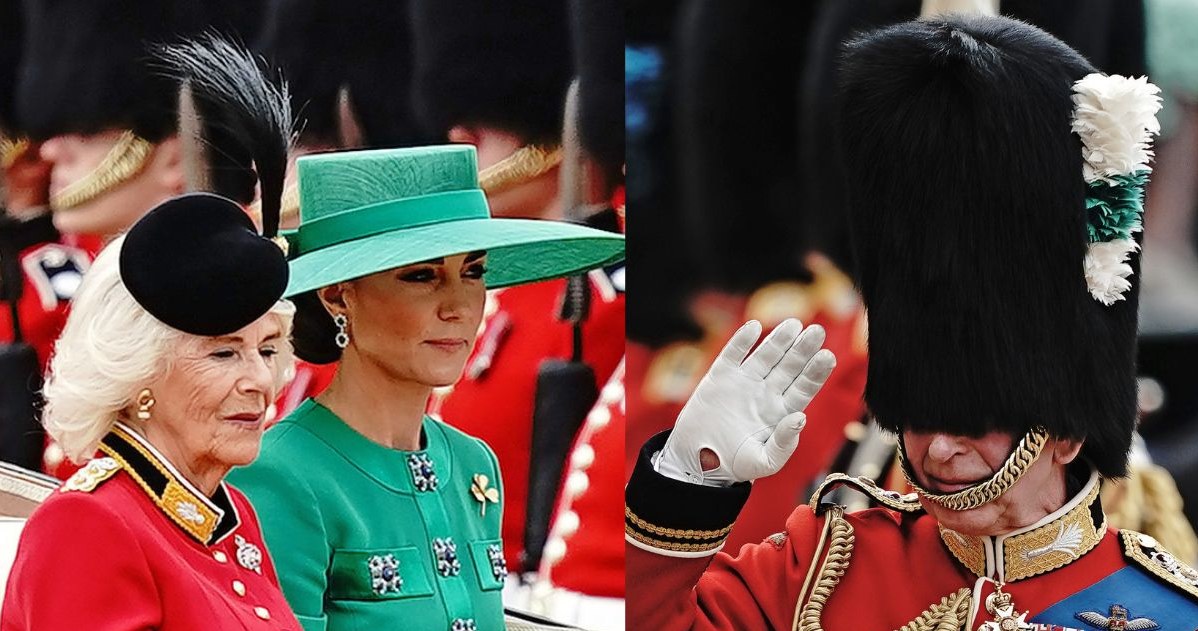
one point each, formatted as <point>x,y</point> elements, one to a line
<point>495,76</point>
<point>104,119</point>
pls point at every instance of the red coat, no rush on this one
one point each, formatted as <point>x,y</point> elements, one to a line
<point>896,565</point>
<point>585,549</point>
<point>106,553</point>
<point>494,400</point>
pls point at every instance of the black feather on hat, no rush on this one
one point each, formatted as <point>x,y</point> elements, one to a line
<point>323,48</point>
<point>496,64</point>
<point>196,262</point>
<point>969,225</point>
<point>85,69</point>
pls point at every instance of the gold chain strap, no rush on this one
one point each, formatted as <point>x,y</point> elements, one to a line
<point>125,160</point>
<point>525,164</point>
<point>1017,464</point>
<point>840,551</point>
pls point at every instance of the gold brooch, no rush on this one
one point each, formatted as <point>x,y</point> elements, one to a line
<point>484,493</point>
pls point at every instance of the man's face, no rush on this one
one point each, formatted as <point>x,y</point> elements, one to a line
<point>947,463</point>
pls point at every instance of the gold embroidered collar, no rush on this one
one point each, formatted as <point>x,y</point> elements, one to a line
<point>207,520</point>
<point>1051,543</point>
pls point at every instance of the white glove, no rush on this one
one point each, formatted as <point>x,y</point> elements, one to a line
<point>749,411</point>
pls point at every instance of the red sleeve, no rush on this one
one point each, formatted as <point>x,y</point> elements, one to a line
<point>757,589</point>
<point>79,565</point>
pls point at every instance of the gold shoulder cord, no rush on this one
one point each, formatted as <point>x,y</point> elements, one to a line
<point>125,160</point>
<point>524,164</point>
<point>950,614</point>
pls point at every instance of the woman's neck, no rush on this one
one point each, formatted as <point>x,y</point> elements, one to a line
<point>377,405</point>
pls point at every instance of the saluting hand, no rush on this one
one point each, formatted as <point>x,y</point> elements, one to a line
<point>748,411</point>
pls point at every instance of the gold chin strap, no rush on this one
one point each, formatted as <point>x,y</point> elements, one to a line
<point>1028,450</point>
<point>524,164</point>
<point>126,159</point>
<point>11,149</point>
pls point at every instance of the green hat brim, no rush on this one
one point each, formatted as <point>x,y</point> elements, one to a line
<point>518,251</point>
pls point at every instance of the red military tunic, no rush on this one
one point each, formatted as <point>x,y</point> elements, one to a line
<point>585,549</point>
<point>882,568</point>
<point>127,544</point>
<point>494,400</point>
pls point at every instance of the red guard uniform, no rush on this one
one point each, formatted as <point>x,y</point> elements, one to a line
<point>494,400</point>
<point>584,554</point>
<point>883,568</point>
<point>128,545</point>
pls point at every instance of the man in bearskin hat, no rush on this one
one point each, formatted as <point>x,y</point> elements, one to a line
<point>996,183</point>
<point>92,105</point>
<point>495,76</point>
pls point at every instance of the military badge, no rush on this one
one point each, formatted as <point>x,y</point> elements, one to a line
<point>249,556</point>
<point>1117,621</point>
<point>384,574</point>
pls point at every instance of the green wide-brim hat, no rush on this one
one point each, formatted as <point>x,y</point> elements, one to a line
<point>363,212</point>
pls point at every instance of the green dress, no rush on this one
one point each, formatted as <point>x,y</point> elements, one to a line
<point>366,537</point>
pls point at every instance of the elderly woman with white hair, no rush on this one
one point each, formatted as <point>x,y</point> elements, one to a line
<point>176,345</point>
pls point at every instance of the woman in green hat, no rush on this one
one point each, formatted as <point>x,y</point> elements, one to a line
<point>374,512</point>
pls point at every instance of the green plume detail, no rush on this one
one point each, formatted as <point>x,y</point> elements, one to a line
<point>1114,211</point>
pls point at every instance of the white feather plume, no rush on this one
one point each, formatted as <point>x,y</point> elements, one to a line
<point>1107,269</point>
<point>1115,116</point>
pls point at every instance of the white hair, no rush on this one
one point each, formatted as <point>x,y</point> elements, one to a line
<point>110,349</point>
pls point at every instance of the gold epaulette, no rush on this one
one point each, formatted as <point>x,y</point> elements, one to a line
<point>1147,553</point>
<point>95,472</point>
<point>907,503</point>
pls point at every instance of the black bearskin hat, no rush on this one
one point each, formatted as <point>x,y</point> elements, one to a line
<point>498,64</point>
<point>324,47</point>
<point>85,67</point>
<point>968,210</point>
<point>598,30</point>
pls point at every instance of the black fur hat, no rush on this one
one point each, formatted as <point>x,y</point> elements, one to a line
<point>598,30</point>
<point>499,64</point>
<point>85,66</point>
<point>967,206</point>
<point>12,26</point>
<point>324,47</point>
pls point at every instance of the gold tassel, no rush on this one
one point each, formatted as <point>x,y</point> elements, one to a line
<point>1147,501</point>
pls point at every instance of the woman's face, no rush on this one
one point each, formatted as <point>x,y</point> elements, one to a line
<point>210,405</point>
<point>417,323</point>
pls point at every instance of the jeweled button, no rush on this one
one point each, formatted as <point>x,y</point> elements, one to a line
<point>239,588</point>
<point>262,612</point>
<point>220,557</point>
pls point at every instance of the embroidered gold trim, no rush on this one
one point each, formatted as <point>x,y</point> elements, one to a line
<point>191,514</point>
<point>171,496</point>
<point>126,159</point>
<point>840,551</point>
<point>908,503</point>
<point>91,475</point>
<point>1149,554</point>
<point>672,532</point>
<point>1043,549</point>
<point>524,164</point>
<point>950,614</point>
<point>1022,457</point>
<point>670,545</point>
<point>1055,544</point>
<point>969,550</point>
